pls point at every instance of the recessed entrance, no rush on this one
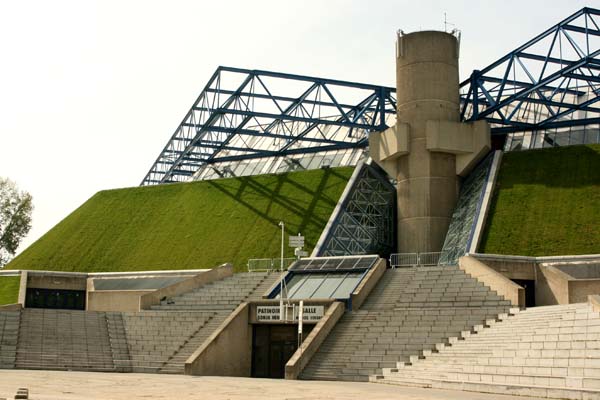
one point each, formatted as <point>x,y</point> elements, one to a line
<point>529,286</point>
<point>55,298</point>
<point>272,347</point>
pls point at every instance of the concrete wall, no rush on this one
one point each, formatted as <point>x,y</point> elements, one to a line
<point>581,289</point>
<point>313,341</point>
<point>115,300</point>
<point>551,287</point>
<point>513,267</point>
<point>361,293</point>
<point>11,307</point>
<point>427,90</point>
<point>558,279</point>
<point>187,285</point>
<point>581,270</point>
<point>43,280</point>
<point>228,351</point>
<point>493,279</point>
<point>22,289</point>
<point>594,301</point>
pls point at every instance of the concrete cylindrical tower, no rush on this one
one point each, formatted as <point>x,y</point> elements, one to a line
<point>427,90</point>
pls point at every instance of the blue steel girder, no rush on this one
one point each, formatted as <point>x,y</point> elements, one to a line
<point>551,81</point>
<point>246,114</point>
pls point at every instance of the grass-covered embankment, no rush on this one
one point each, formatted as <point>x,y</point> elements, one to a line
<point>546,202</point>
<point>189,225</point>
<point>9,289</point>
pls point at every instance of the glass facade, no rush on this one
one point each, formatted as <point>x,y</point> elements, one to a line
<point>331,285</point>
<point>273,165</point>
<point>465,213</point>
<point>552,138</point>
<point>366,223</point>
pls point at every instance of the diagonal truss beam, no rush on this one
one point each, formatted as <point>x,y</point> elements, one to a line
<point>247,114</point>
<point>552,80</point>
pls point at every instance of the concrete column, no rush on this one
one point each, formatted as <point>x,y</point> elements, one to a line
<point>427,90</point>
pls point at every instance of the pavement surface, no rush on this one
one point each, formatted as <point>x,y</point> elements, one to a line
<point>58,385</point>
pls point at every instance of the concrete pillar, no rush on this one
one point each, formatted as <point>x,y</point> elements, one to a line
<point>427,90</point>
<point>428,148</point>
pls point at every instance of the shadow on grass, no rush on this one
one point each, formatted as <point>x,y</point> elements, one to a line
<point>306,213</point>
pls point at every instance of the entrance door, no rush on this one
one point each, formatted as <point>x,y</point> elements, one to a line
<point>272,347</point>
<point>529,286</point>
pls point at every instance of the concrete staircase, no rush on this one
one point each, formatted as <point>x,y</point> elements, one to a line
<point>223,295</point>
<point>157,340</point>
<point>410,310</point>
<point>551,351</point>
<point>63,340</point>
<point>9,331</point>
<point>118,342</point>
<point>176,362</point>
<point>154,336</point>
<point>202,310</point>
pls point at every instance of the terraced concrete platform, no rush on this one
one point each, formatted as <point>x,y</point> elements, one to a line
<point>55,385</point>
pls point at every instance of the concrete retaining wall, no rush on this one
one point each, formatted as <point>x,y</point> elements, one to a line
<point>581,289</point>
<point>115,300</point>
<point>493,279</point>
<point>512,267</point>
<point>313,341</point>
<point>11,307</point>
<point>594,301</point>
<point>54,280</point>
<point>228,351</point>
<point>552,286</point>
<point>201,279</point>
<point>361,293</point>
<point>22,289</point>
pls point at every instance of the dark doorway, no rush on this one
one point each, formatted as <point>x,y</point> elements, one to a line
<point>55,298</point>
<point>272,347</point>
<point>529,286</point>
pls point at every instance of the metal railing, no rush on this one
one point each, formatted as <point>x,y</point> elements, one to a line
<point>268,264</point>
<point>414,259</point>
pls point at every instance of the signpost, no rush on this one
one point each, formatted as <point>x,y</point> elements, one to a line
<point>296,241</point>
<point>300,321</point>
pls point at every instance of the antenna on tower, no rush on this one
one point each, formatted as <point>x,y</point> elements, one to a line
<point>446,23</point>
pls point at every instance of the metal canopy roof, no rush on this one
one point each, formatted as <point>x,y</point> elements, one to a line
<point>245,114</point>
<point>552,81</point>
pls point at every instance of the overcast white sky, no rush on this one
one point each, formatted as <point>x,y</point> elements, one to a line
<point>90,91</point>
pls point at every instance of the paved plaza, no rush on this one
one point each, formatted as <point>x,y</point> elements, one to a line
<point>57,385</point>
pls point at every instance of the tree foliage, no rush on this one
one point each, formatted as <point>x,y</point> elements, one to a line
<point>15,218</point>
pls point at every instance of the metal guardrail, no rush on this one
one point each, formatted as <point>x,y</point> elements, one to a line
<point>429,259</point>
<point>404,259</point>
<point>268,264</point>
<point>414,259</point>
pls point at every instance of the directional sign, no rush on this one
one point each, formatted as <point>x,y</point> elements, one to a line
<point>297,241</point>
<point>300,253</point>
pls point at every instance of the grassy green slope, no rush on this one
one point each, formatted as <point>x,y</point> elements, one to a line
<point>9,289</point>
<point>547,202</point>
<point>189,225</point>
